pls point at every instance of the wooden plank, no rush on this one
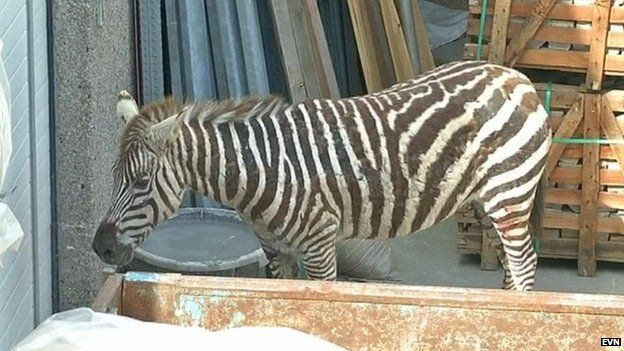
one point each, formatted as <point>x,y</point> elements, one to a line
<point>498,44</point>
<point>365,45</point>
<point>576,151</point>
<point>561,96</point>
<point>569,35</point>
<point>616,100</point>
<point>568,61</point>
<point>614,65</point>
<point>396,41</point>
<point>571,61</point>
<point>610,251</point>
<point>381,45</point>
<point>324,67</point>
<point>612,131</point>
<point>617,15</point>
<point>573,176</point>
<point>388,316</point>
<point>424,49</point>
<point>568,220</point>
<point>312,50</point>
<point>615,39</point>
<point>305,54</point>
<point>573,197</point>
<point>566,248</point>
<point>591,186</point>
<point>531,24</point>
<point>555,122</point>
<point>288,50</point>
<point>547,33</point>
<point>570,122</point>
<point>598,46</point>
<point>110,295</point>
<point>560,11</point>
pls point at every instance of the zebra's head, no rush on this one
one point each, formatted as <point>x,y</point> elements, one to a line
<point>145,190</point>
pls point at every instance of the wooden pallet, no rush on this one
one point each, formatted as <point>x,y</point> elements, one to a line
<point>585,199</point>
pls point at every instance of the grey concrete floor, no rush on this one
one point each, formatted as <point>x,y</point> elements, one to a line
<point>430,257</point>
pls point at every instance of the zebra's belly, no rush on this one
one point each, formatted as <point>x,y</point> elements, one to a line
<point>393,207</point>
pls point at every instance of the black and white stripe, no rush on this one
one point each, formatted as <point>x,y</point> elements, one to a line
<point>375,166</point>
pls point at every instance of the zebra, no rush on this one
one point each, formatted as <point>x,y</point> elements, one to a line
<point>305,175</point>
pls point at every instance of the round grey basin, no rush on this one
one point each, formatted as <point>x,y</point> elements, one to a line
<point>203,241</point>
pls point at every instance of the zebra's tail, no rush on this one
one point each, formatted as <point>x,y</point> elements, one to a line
<point>537,213</point>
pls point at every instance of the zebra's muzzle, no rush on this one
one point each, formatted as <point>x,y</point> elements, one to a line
<point>108,248</point>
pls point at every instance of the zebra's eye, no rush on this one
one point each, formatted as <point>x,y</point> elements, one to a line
<point>142,182</point>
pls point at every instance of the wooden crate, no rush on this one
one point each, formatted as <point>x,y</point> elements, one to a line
<point>585,214</point>
<point>360,316</point>
<point>586,36</point>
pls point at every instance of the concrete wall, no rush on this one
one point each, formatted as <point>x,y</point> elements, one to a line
<point>94,60</point>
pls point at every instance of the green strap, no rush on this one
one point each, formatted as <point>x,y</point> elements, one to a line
<point>587,141</point>
<point>537,245</point>
<point>548,97</point>
<point>481,29</point>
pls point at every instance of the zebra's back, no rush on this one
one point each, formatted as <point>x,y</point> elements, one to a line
<point>405,158</point>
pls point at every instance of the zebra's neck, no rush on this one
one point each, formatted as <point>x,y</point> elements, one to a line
<point>229,160</point>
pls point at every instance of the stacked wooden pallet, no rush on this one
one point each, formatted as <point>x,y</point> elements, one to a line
<point>585,197</point>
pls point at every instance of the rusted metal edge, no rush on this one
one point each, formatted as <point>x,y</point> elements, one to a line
<point>471,298</point>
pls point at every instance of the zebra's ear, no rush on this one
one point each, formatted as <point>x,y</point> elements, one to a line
<point>166,130</point>
<point>126,106</point>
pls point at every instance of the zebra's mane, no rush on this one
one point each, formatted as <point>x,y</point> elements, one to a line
<point>136,128</point>
<point>209,110</point>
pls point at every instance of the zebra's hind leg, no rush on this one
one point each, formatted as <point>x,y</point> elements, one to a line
<point>281,265</point>
<point>320,264</point>
<point>508,283</point>
<point>318,254</point>
<point>518,257</point>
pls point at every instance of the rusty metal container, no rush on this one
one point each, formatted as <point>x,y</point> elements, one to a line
<point>372,316</point>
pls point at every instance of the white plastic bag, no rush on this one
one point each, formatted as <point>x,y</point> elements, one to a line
<point>5,120</point>
<point>11,232</point>
<point>365,259</point>
<point>83,329</point>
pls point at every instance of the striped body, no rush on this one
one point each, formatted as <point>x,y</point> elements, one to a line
<point>376,166</point>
